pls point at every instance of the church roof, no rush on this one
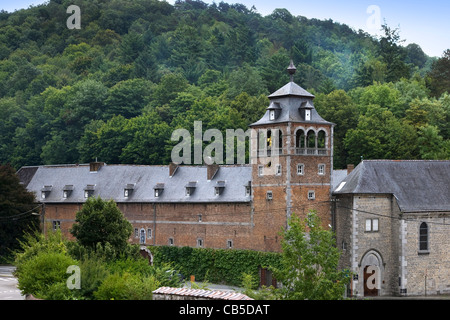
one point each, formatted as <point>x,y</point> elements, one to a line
<point>418,185</point>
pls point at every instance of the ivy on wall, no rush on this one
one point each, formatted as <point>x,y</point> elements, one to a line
<point>222,266</point>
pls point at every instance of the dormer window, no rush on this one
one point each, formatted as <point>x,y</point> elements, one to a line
<point>159,188</point>
<point>45,191</point>
<point>128,190</point>
<point>190,188</point>
<point>274,110</point>
<point>272,115</point>
<point>308,115</point>
<point>67,191</point>
<point>218,189</point>
<point>89,190</point>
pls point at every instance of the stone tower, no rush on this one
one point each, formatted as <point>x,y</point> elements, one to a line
<point>292,163</point>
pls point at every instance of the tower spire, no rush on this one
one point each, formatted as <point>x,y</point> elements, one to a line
<point>291,70</point>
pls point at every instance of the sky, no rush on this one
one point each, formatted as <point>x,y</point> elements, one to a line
<point>426,23</point>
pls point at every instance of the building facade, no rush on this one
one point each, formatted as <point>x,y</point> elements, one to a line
<point>226,206</point>
<point>392,222</point>
<point>391,218</point>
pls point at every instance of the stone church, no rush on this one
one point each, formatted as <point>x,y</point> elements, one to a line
<point>395,221</point>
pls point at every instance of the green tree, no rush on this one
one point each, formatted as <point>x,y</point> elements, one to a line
<point>380,135</point>
<point>338,107</point>
<point>393,54</point>
<point>439,76</point>
<point>16,208</point>
<point>309,263</point>
<point>101,222</point>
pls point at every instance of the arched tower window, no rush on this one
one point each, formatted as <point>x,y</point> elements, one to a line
<point>423,237</point>
<point>311,142</point>
<point>300,142</point>
<point>321,139</point>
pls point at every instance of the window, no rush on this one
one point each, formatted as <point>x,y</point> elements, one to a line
<point>269,195</point>
<point>272,115</point>
<point>300,169</point>
<point>423,237</point>
<point>142,236</point>
<point>200,218</point>
<point>229,244</point>
<point>65,194</point>
<point>125,193</point>
<point>278,170</point>
<point>200,243</point>
<point>311,195</point>
<point>321,169</point>
<point>89,191</point>
<point>260,170</point>
<point>170,241</point>
<point>149,233</point>
<point>136,233</point>
<point>188,192</point>
<point>371,225</point>
<point>216,191</point>
<point>156,193</point>
<point>307,114</point>
<point>56,224</point>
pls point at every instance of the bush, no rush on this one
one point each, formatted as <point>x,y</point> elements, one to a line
<point>126,287</point>
<point>44,271</point>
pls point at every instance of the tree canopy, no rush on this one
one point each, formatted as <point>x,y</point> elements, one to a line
<point>138,69</point>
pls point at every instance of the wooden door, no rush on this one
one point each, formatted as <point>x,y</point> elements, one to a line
<point>370,288</point>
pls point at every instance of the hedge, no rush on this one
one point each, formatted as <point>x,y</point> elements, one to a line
<point>221,266</point>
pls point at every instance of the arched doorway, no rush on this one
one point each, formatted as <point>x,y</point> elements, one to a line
<point>372,273</point>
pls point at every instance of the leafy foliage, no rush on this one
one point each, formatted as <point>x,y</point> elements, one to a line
<point>16,207</point>
<point>101,222</point>
<point>216,265</point>
<point>116,88</point>
<point>309,263</point>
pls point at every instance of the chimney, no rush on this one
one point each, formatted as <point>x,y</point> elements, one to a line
<point>350,168</point>
<point>211,170</point>
<point>95,166</point>
<point>172,168</point>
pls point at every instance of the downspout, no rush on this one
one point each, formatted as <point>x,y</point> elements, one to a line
<point>154,224</point>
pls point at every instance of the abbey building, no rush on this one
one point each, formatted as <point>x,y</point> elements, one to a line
<point>389,216</point>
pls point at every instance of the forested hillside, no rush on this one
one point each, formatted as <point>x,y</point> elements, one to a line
<point>138,69</point>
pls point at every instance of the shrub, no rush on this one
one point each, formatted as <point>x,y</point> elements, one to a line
<point>40,273</point>
<point>126,287</point>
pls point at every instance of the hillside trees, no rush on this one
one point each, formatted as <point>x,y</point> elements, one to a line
<point>137,70</point>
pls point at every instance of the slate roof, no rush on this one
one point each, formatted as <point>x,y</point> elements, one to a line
<point>110,181</point>
<point>418,185</point>
<point>291,89</point>
<point>289,99</point>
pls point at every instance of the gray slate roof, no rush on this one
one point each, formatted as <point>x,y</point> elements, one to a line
<point>290,99</point>
<point>418,185</point>
<point>111,180</point>
<point>291,89</point>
